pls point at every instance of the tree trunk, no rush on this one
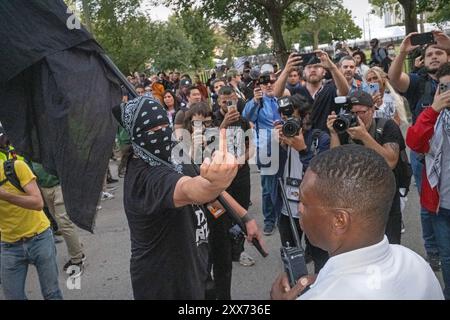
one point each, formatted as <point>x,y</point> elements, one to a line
<point>410,8</point>
<point>316,39</point>
<point>276,21</point>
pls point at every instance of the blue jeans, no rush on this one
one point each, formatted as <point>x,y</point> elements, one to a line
<point>425,218</point>
<point>268,184</point>
<point>441,225</point>
<point>15,258</point>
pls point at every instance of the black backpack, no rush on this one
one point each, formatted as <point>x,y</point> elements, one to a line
<point>403,170</point>
<point>10,174</point>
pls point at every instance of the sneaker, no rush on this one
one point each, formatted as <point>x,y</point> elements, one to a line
<point>434,261</point>
<point>245,260</point>
<point>269,230</point>
<point>107,196</point>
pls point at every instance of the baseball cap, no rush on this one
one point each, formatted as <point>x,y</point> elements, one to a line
<point>185,83</point>
<point>360,97</point>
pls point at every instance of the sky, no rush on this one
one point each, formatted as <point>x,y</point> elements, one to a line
<point>359,10</point>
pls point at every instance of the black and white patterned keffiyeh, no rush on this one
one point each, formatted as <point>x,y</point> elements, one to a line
<point>153,146</point>
<point>434,156</point>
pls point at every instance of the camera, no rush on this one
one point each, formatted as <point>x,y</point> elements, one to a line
<point>264,79</point>
<point>422,39</point>
<point>345,119</point>
<point>292,126</point>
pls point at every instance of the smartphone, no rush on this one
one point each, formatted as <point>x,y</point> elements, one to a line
<point>422,39</point>
<point>308,58</point>
<point>443,87</point>
<point>374,88</point>
<point>231,105</point>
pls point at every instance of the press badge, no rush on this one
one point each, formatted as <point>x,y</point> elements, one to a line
<point>293,189</point>
<point>216,209</point>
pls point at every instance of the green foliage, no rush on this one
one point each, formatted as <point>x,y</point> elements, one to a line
<point>321,24</point>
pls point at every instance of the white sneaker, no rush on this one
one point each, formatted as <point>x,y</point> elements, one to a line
<point>107,196</point>
<point>245,260</point>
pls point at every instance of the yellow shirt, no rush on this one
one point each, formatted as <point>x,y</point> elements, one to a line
<point>17,222</point>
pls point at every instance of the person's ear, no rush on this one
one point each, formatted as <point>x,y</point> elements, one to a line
<point>341,222</point>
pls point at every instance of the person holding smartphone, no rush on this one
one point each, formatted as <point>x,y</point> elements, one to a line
<point>431,135</point>
<point>419,89</point>
<point>388,103</point>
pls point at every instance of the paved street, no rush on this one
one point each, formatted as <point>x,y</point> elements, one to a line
<point>108,253</point>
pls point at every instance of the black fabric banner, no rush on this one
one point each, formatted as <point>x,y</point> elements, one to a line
<point>56,96</point>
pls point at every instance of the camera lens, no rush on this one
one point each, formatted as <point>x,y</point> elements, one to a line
<point>291,128</point>
<point>341,124</point>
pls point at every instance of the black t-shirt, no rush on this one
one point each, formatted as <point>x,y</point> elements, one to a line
<point>323,104</point>
<point>391,134</point>
<point>169,246</point>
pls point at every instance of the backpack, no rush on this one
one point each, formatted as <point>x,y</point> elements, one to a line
<point>403,170</point>
<point>10,173</point>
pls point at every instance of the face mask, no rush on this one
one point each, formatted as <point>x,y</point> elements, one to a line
<point>158,143</point>
<point>391,52</point>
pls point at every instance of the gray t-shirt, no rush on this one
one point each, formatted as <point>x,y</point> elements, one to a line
<point>444,187</point>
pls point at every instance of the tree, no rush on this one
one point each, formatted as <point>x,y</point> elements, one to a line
<point>243,17</point>
<point>409,7</point>
<point>323,23</point>
<point>122,30</point>
<point>200,33</point>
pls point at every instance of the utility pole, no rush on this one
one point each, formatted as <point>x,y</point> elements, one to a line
<point>87,16</point>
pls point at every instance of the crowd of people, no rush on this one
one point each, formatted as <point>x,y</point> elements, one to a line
<point>330,132</point>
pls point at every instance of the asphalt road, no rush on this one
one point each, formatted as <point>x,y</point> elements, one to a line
<point>108,252</point>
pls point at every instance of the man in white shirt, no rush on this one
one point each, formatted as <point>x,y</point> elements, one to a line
<point>350,225</point>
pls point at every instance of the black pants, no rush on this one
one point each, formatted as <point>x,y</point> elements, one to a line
<point>318,255</point>
<point>221,246</point>
<point>394,223</point>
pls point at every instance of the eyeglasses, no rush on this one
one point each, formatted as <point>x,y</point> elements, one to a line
<point>360,113</point>
<point>271,82</point>
<point>198,123</point>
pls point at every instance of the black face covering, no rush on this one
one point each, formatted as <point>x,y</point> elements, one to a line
<point>141,115</point>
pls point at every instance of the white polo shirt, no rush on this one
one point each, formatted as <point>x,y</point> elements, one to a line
<point>379,272</point>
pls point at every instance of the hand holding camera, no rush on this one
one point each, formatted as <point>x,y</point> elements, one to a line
<point>414,40</point>
<point>294,61</point>
<point>257,94</point>
<point>358,132</point>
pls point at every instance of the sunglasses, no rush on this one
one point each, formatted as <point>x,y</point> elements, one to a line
<point>198,123</point>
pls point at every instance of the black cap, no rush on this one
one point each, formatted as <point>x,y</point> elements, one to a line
<point>360,97</point>
<point>185,83</point>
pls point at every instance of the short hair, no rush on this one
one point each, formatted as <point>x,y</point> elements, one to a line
<point>196,109</point>
<point>139,86</point>
<point>356,177</point>
<point>225,91</point>
<point>346,58</point>
<point>301,104</point>
<point>232,73</point>
<point>443,71</point>
<point>362,55</point>
<point>190,88</point>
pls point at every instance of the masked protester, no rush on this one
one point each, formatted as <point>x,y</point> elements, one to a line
<point>168,228</point>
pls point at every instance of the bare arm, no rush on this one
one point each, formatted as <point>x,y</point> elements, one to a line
<point>341,83</point>
<point>32,199</point>
<point>389,151</point>
<point>280,84</point>
<point>397,77</point>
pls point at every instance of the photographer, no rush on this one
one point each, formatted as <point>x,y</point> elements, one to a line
<point>419,89</point>
<point>300,143</point>
<point>320,95</point>
<point>262,110</point>
<point>431,135</point>
<point>348,220</point>
<point>362,128</point>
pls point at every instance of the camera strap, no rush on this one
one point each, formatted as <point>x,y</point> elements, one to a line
<point>292,184</point>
